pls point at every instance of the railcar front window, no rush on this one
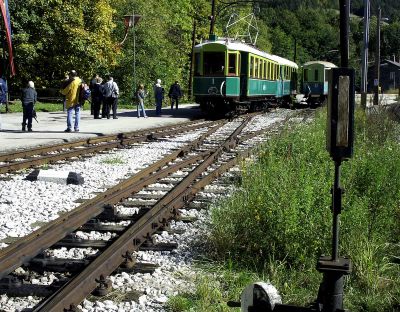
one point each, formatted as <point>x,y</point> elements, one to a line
<point>214,63</point>
<point>316,75</point>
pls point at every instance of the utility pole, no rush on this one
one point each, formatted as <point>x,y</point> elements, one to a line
<point>377,58</point>
<point>364,57</point>
<point>190,91</point>
<point>212,17</point>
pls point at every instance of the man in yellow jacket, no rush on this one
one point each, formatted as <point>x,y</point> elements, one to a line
<point>71,91</point>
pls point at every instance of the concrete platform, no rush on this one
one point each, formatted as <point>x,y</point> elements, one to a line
<point>50,128</point>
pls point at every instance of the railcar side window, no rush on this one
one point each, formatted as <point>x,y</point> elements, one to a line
<point>265,69</point>
<point>197,64</point>
<point>326,74</point>
<point>256,68</point>
<point>251,66</point>
<point>305,74</point>
<point>214,63</point>
<point>232,64</point>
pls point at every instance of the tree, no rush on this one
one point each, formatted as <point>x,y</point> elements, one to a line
<point>53,37</point>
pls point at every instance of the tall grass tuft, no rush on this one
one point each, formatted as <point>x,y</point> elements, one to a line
<point>279,221</point>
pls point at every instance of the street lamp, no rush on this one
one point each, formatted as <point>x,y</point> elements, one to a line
<point>130,21</point>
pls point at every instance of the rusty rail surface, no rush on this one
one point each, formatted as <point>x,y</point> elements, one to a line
<point>118,136</point>
<point>29,246</point>
<point>72,293</point>
<point>77,289</point>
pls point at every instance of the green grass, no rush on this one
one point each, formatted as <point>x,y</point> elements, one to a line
<point>113,161</point>
<point>213,290</point>
<point>16,107</point>
<point>279,222</point>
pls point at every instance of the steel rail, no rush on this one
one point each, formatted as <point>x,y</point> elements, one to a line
<point>29,246</point>
<point>71,294</point>
<point>97,140</point>
<point>51,158</point>
<point>123,140</point>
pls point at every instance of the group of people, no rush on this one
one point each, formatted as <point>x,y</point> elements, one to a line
<point>104,98</point>
<point>174,94</point>
<point>103,95</point>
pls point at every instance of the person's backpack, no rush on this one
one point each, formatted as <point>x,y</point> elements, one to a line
<point>84,93</point>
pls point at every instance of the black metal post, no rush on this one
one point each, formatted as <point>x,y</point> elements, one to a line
<point>364,57</point>
<point>377,58</point>
<point>336,210</point>
<point>212,17</point>
<point>295,50</point>
<point>330,295</point>
<point>344,32</point>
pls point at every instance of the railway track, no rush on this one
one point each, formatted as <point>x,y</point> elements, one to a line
<point>197,163</point>
<point>17,160</point>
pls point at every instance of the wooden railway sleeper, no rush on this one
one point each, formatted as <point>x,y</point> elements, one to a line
<point>14,286</point>
<point>44,263</point>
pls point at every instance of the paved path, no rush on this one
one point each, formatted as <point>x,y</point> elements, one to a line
<point>51,126</point>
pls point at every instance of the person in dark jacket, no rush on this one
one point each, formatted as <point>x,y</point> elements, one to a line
<point>97,96</point>
<point>159,96</point>
<point>91,87</point>
<point>111,93</point>
<point>28,98</point>
<point>3,93</point>
<point>174,94</point>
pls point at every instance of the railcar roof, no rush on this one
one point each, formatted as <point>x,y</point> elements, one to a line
<point>326,64</point>
<point>240,46</point>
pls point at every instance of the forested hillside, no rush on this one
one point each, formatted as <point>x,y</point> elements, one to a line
<point>51,37</point>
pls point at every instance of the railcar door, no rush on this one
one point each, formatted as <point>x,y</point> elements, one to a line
<point>244,57</point>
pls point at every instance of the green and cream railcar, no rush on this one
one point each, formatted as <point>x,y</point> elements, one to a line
<point>229,74</point>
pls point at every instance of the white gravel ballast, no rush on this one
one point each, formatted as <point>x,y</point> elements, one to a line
<point>25,206</point>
